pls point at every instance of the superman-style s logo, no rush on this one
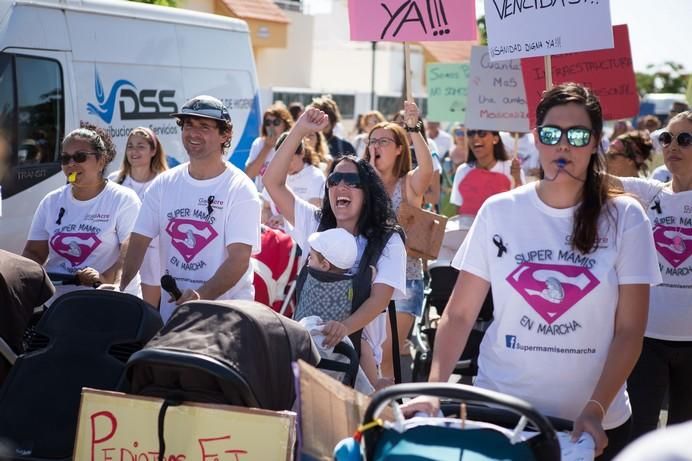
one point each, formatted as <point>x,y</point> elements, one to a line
<point>190,237</point>
<point>75,246</point>
<point>552,289</point>
<point>674,244</point>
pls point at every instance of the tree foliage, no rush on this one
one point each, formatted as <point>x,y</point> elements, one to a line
<point>159,2</point>
<point>669,77</point>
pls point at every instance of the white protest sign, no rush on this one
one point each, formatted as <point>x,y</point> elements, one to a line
<point>496,96</point>
<point>526,28</point>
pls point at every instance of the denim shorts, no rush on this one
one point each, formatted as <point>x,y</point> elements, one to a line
<point>413,302</point>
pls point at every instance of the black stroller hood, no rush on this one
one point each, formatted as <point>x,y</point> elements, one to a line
<point>235,347</point>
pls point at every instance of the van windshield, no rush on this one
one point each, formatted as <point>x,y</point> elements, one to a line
<point>32,120</point>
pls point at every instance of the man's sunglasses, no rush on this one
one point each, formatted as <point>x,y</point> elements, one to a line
<point>351,180</point>
<point>683,139</point>
<point>78,157</point>
<point>272,121</point>
<point>479,133</point>
<point>577,136</point>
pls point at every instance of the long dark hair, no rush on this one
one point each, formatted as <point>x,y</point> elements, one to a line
<point>499,152</point>
<point>596,191</point>
<point>377,218</point>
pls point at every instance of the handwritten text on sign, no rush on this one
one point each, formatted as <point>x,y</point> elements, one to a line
<point>412,20</point>
<point>496,94</point>
<point>447,90</point>
<point>524,28</point>
<point>609,73</point>
<point>119,427</point>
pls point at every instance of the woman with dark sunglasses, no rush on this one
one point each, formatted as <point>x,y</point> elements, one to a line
<point>356,200</point>
<point>390,153</point>
<point>82,228</point>
<point>487,171</point>
<point>665,364</point>
<point>276,120</point>
<point>570,264</point>
<point>628,155</point>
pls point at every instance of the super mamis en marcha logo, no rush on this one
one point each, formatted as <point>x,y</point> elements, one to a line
<point>673,243</point>
<point>76,247</point>
<point>552,289</point>
<point>147,104</point>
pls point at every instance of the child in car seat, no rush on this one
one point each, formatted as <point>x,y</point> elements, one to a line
<point>334,252</point>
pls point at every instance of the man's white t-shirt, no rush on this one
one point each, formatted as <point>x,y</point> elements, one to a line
<point>444,142</point>
<point>670,303</point>
<point>150,272</point>
<point>391,267</point>
<point>255,149</point>
<point>85,233</point>
<point>554,308</point>
<point>501,166</point>
<point>193,243</point>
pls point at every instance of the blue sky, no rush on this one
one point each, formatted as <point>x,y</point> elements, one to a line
<point>659,30</point>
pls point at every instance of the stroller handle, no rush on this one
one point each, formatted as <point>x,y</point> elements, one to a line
<point>468,394</point>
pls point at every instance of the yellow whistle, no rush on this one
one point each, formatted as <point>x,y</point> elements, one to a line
<point>72,177</point>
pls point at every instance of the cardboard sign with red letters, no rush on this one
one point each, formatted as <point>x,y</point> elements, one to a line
<point>609,73</point>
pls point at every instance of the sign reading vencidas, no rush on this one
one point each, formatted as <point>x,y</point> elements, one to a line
<point>524,28</point>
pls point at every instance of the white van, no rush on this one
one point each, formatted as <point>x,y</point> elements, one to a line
<point>116,64</point>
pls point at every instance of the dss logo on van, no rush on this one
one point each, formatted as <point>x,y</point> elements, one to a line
<point>147,104</point>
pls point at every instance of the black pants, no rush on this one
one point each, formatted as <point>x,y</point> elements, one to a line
<point>663,366</point>
<point>618,438</point>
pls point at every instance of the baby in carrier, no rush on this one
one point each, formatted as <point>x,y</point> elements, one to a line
<point>328,292</point>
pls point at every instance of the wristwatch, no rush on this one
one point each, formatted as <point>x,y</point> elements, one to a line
<point>413,129</point>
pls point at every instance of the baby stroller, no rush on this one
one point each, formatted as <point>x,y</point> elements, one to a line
<point>441,280</point>
<point>443,439</point>
<point>83,340</point>
<point>230,352</point>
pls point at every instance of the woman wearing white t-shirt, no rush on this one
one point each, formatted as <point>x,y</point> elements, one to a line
<point>487,171</point>
<point>305,179</point>
<point>276,120</point>
<point>570,263</point>
<point>665,364</point>
<point>355,200</point>
<point>82,228</point>
<point>144,159</point>
<point>390,153</point>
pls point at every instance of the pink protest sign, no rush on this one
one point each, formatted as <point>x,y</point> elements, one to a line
<point>609,73</point>
<point>412,20</point>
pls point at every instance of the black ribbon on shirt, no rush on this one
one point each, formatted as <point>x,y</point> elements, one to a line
<point>210,210</point>
<point>657,206</point>
<point>61,213</point>
<point>501,248</point>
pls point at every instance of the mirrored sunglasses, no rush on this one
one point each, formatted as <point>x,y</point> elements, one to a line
<point>577,136</point>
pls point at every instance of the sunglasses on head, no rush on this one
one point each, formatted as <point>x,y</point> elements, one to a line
<point>577,136</point>
<point>479,133</point>
<point>683,139</point>
<point>351,180</point>
<point>272,121</point>
<point>78,157</point>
